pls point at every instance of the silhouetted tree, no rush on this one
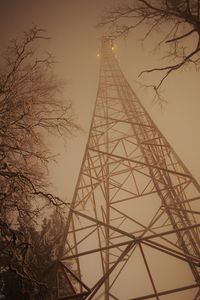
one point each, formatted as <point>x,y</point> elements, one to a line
<point>180,24</point>
<point>31,110</point>
<point>40,263</point>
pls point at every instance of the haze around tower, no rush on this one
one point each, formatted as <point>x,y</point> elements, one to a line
<point>75,42</point>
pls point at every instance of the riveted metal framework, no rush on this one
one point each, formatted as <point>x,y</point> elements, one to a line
<point>133,226</point>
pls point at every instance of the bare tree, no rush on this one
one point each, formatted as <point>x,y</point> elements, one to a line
<point>41,262</point>
<point>179,19</point>
<point>31,107</point>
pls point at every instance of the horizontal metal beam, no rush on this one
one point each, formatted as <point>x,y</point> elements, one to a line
<point>135,239</point>
<point>167,292</point>
<point>141,163</point>
<point>123,121</point>
<point>97,250</point>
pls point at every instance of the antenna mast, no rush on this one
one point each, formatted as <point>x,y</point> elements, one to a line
<point>133,226</point>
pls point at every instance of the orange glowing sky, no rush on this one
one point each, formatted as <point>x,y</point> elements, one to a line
<point>74,42</point>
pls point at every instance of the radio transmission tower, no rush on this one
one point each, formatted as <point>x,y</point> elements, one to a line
<point>133,226</point>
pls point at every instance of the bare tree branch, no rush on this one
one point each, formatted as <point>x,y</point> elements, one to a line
<point>180,21</point>
<point>31,108</point>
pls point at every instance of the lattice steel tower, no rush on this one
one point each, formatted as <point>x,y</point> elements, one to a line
<point>133,226</point>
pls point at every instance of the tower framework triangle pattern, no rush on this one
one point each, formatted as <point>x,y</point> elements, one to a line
<point>133,225</point>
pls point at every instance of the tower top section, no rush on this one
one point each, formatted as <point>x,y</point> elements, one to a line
<point>106,45</point>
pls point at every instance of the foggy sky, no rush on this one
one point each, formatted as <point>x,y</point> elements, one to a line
<point>75,42</point>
